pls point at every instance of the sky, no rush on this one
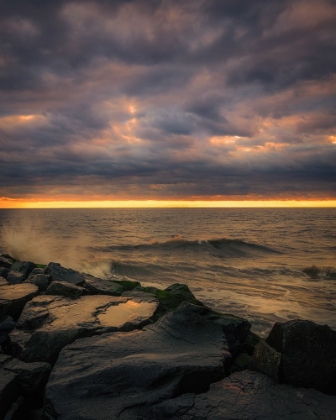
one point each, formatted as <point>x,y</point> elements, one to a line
<point>167,101</point>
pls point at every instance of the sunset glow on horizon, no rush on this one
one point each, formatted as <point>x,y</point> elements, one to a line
<point>17,204</point>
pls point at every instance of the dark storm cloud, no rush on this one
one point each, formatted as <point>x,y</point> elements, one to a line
<point>168,99</point>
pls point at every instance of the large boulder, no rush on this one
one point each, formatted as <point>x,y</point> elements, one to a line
<point>266,360</point>
<point>247,395</point>
<point>14,297</point>
<point>14,277</point>
<point>236,329</point>
<point>62,288</point>
<point>96,286</point>
<point>23,267</point>
<point>123,375</point>
<point>308,354</point>
<point>59,273</point>
<point>40,280</point>
<point>48,323</point>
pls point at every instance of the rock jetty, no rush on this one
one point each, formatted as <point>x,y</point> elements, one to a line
<point>74,346</point>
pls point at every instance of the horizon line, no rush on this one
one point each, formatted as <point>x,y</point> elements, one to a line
<point>290,203</point>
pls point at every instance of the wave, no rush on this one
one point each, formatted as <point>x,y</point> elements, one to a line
<point>229,247</point>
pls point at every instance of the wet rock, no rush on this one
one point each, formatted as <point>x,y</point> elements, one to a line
<point>59,273</point>
<point>265,360</point>
<point>48,323</point>
<point>308,354</point>
<point>124,375</point>
<point>23,267</point>
<point>7,324</point>
<point>62,288</point>
<point>97,286</point>
<point>14,297</point>
<point>248,395</point>
<point>14,277</point>
<point>40,280</point>
<point>3,272</point>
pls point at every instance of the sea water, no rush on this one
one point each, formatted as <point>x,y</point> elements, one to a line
<point>248,262</point>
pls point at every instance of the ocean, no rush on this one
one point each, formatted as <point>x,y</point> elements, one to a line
<point>248,262</point>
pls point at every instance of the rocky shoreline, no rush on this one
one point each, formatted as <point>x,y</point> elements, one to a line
<point>77,347</point>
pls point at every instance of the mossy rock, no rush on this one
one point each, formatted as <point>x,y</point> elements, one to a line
<point>40,265</point>
<point>183,292</point>
<point>149,289</point>
<point>127,284</point>
<point>171,298</point>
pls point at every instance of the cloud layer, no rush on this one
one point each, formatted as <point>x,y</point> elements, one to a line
<point>167,99</point>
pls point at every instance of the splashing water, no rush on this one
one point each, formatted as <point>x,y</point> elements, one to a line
<point>28,240</point>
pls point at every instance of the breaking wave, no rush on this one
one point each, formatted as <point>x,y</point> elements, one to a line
<point>229,247</point>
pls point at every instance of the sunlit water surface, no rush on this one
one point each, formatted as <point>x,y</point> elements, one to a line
<point>244,261</point>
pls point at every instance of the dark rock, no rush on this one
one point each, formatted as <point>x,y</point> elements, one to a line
<point>171,298</point>
<point>9,391</point>
<point>308,354</point>
<point>14,277</point>
<point>40,280</point>
<point>4,272</point>
<point>7,324</point>
<point>97,286</point>
<point>5,261</point>
<point>30,378</point>
<point>59,273</point>
<point>265,360</point>
<point>236,329</point>
<point>250,343</point>
<point>37,270</point>
<point>124,375</point>
<point>48,323</point>
<point>23,267</point>
<point>18,410</point>
<point>14,297</point>
<point>245,396</point>
<point>241,362</point>
<point>183,291</point>
<point>62,288</point>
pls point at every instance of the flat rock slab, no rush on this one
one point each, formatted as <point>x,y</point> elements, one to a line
<point>14,297</point>
<point>123,375</point>
<point>48,323</point>
<point>248,395</point>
